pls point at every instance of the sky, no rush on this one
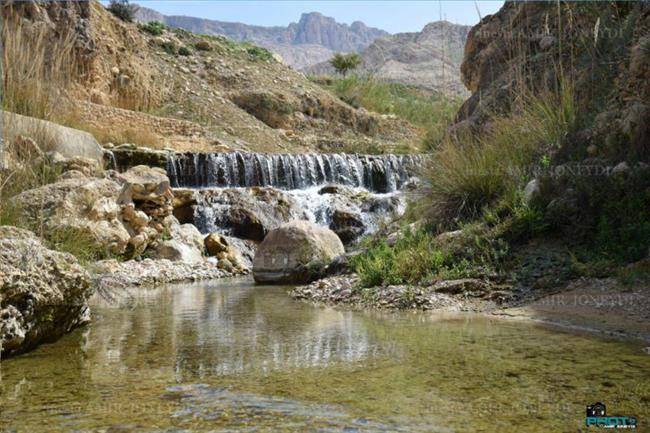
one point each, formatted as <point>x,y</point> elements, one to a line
<point>392,16</point>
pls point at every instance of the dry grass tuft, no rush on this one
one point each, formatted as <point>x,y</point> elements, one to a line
<point>38,68</point>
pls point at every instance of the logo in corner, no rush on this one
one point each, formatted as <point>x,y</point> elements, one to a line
<point>597,416</point>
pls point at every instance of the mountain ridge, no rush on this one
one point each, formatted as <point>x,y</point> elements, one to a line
<point>312,29</point>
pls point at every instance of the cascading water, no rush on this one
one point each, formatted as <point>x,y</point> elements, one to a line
<point>246,194</point>
<point>379,173</point>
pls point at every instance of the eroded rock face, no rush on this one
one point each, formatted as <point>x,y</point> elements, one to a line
<point>43,293</point>
<point>247,213</point>
<point>296,252</point>
<point>491,66</point>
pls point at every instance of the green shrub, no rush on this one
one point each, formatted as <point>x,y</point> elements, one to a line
<point>169,47</point>
<point>259,53</point>
<point>412,259</point>
<point>122,9</point>
<point>155,28</point>
<point>184,51</point>
<point>419,258</point>
<point>344,63</point>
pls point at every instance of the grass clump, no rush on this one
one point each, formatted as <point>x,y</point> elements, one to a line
<point>421,257</point>
<point>155,28</point>
<point>469,173</point>
<point>77,242</point>
<point>430,111</point>
<point>184,51</point>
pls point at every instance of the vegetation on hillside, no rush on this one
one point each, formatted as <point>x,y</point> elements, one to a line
<point>430,111</point>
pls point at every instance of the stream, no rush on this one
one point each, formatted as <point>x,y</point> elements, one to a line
<point>229,356</point>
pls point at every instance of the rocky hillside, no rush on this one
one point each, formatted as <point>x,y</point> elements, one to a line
<point>429,59</point>
<point>188,92</point>
<point>314,38</point>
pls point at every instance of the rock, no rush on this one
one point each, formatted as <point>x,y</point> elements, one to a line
<point>67,141</point>
<point>218,246</point>
<point>472,286</point>
<point>215,244</point>
<point>43,293</point>
<point>128,155</point>
<point>296,252</point>
<point>531,191</point>
<point>177,251</point>
<point>80,204</point>
<point>122,213</point>
<point>347,225</point>
<point>248,224</point>
<point>247,213</point>
<point>185,245</point>
<point>331,189</point>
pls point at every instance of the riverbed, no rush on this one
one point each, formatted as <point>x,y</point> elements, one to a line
<point>229,356</point>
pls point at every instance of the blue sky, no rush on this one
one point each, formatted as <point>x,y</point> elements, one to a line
<point>392,16</point>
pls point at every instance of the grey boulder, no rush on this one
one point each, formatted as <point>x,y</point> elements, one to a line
<point>296,252</point>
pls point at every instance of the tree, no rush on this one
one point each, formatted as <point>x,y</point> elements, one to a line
<point>343,63</point>
<point>122,9</point>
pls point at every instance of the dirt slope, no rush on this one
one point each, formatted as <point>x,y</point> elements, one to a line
<point>207,93</point>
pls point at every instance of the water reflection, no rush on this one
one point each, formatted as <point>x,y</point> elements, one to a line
<point>231,357</point>
<point>211,330</point>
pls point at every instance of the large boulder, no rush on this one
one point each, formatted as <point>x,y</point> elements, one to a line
<point>67,141</point>
<point>296,252</point>
<point>43,293</point>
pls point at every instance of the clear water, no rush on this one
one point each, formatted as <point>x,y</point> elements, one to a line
<point>231,357</point>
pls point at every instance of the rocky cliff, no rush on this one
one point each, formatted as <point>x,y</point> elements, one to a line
<point>601,50</point>
<point>429,59</point>
<point>311,40</point>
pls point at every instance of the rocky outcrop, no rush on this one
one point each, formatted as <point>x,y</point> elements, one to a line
<point>429,59</point>
<point>122,213</point>
<point>312,39</point>
<point>43,293</point>
<point>246,213</point>
<point>295,252</point>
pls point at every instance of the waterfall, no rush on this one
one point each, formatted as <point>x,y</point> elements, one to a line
<point>379,173</point>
